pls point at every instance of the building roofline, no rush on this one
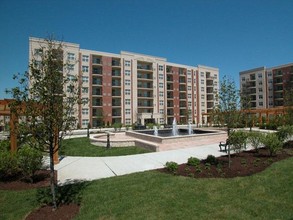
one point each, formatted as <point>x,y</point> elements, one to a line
<point>140,54</point>
<point>41,40</point>
<point>252,70</point>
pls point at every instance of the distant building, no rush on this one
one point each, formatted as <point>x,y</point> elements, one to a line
<point>267,87</point>
<point>132,88</point>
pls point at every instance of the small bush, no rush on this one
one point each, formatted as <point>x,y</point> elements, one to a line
<point>272,142</point>
<point>4,145</point>
<point>171,166</point>
<point>29,161</point>
<point>238,140</point>
<point>255,139</point>
<point>211,159</point>
<point>285,132</point>
<point>193,161</point>
<point>8,165</point>
<point>117,126</point>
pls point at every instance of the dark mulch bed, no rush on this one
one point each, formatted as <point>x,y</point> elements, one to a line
<point>41,179</point>
<point>245,163</point>
<point>64,212</point>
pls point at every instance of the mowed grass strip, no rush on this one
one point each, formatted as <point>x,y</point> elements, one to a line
<point>83,147</point>
<point>155,195</point>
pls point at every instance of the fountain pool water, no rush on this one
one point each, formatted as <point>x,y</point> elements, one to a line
<point>174,128</point>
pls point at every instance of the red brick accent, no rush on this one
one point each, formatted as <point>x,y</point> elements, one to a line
<point>107,88</point>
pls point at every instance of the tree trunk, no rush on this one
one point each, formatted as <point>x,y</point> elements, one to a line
<point>52,177</point>
<point>229,156</point>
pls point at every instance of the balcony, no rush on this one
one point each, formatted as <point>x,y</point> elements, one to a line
<point>182,88</point>
<point>210,97</point>
<point>116,83</point>
<point>252,77</point>
<point>97,61</point>
<point>116,73</point>
<point>145,104</point>
<point>144,76</point>
<point>182,104</point>
<point>170,112</point>
<point>116,92</point>
<point>170,95</point>
<point>116,63</point>
<point>181,72</point>
<point>182,80</point>
<point>169,78</point>
<point>141,110</point>
<point>210,91</point>
<point>116,112</point>
<point>182,96</point>
<point>145,94</point>
<point>144,85</point>
<point>170,104</point>
<point>97,70</point>
<point>116,102</point>
<point>97,102</point>
<point>170,87</point>
<point>147,67</point>
<point>183,112</point>
<point>97,92</point>
<point>97,81</point>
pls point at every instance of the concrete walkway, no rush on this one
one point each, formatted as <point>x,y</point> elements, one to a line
<point>91,168</point>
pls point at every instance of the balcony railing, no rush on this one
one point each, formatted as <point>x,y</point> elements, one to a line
<point>116,73</point>
<point>116,63</point>
<point>97,71</point>
<point>97,61</point>
<point>116,83</point>
<point>144,67</point>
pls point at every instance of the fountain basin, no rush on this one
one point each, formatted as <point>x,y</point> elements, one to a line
<point>165,135</point>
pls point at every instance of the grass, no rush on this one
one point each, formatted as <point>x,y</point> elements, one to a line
<point>154,195</point>
<point>83,147</point>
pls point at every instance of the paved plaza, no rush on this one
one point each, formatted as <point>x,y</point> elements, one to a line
<point>91,168</point>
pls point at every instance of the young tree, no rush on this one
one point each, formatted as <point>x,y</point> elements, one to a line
<point>227,108</point>
<point>46,100</point>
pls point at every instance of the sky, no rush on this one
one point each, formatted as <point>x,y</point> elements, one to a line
<point>232,35</point>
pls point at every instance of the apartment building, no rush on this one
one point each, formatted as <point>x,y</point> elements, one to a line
<point>267,87</point>
<point>132,88</point>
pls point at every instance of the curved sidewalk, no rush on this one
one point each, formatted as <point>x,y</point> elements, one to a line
<point>91,168</point>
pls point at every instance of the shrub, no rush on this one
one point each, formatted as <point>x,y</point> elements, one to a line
<point>117,126</point>
<point>211,159</point>
<point>272,142</point>
<point>193,161</point>
<point>8,165</point>
<point>255,139</point>
<point>4,145</point>
<point>238,140</point>
<point>150,125</point>
<point>29,161</point>
<point>284,132</point>
<point>171,166</point>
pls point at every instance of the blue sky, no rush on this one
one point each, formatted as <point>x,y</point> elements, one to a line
<point>233,35</point>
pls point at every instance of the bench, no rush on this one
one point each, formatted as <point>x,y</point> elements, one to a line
<point>223,146</point>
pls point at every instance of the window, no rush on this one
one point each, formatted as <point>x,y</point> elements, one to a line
<point>189,88</point>
<point>85,58</point>
<point>71,77</point>
<point>127,72</point>
<point>127,63</point>
<point>85,90</point>
<point>243,79</point>
<point>127,82</point>
<point>202,74</point>
<point>161,76</point>
<point>161,68</point>
<point>85,111</point>
<point>38,52</point>
<point>260,96</point>
<point>188,72</point>
<point>189,104</point>
<point>128,121</point>
<point>202,89</point>
<point>127,101</point>
<point>260,83</point>
<point>127,91</point>
<point>260,103</point>
<point>161,85</point>
<point>161,111</point>
<point>127,111</point>
<point>85,122</point>
<point>85,79</point>
<point>189,96</point>
<point>259,75</point>
<point>84,100</point>
<point>260,89</point>
<point>270,74</point>
<point>161,94</point>
<point>161,102</point>
<point>162,121</point>
<point>85,69</point>
<point>189,80</point>
<point>202,104</point>
<point>70,67</point>
<point>202,96</point>
<point>202,81</point>
<point>70,56</point>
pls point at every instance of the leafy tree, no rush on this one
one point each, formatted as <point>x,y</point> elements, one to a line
<point>226,111</point>
<point>238,140</point>
<point>46,100</point>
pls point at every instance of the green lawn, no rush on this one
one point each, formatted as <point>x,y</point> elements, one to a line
<point>154,195</point>
<point>83,147</point>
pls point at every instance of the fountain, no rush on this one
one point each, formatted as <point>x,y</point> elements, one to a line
<point>156,131</point>
<point>190,131</point>
<point>174,128</point>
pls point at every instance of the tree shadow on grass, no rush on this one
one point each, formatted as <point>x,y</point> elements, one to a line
<point>70,192</point>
